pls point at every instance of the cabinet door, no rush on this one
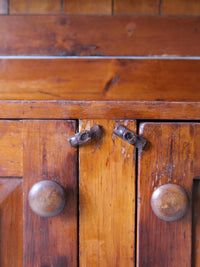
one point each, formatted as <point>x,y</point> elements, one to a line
<point>107,199</point>
<point>33,151</point>
<point>171,157</point>
<point>11,193</point>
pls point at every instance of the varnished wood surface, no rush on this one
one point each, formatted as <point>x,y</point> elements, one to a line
<point>108,7</point>
<point>100,79</point>
<point>48,156</point>
<point>11,222</point>
<point>103,7</point>
<point>107,199</point>
<point>180,7</point>
<point>100,109</point>
<point>34,6</point>
<point>144,7</point>
<point>99,35</point>
<point>172,157</point>
<point>11,149</point>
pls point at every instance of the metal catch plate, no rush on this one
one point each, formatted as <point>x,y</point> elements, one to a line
<point>85,136</point>
<point>129,136</point>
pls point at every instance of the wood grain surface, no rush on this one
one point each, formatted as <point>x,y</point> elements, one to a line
<point>103,7</point>
<point>170,158</point>
<point>34,6</point>
<point>180,7</point>
<point>95,79</point>
<point>11,149</point>
<point>11,222</point>
<point>116,35</point>
<point>144,7</point>
<point>100,109</point>
<point>48,156</point>
<point>107,198</point>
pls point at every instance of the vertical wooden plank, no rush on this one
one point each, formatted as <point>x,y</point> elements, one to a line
<point>136,7</point>
<point>3,6</point>
<point>103,7</point>
<point>11,148</point>
<point>48,156</point>
<point>36,6</point>
<point>180,7</point>
<point>196,224</point>
<point>172,157</point>
<point>107,199</point>
<point>11,222</point>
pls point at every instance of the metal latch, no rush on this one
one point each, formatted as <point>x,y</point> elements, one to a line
<point>129,136</point>
<point>85,136</point>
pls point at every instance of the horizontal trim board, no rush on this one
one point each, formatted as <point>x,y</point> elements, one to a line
<point>100,110</point>
<point>60,35</point>
<point>100,80</point>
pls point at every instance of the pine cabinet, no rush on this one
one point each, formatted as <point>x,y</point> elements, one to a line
<point>108,218</point>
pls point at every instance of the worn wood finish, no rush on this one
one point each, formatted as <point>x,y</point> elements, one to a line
<point>36,6</point>
<point>103,7</point>
<point>105,79</point>
<point>11,149</point>
<point>107,199</point>
<point>3,6</point>
<point>48,156</point>
<point>116,36</point>
<point>180,7</point>
<point>100,109</point>
<point>11,221</point>
<point>172,157</point>
<point>144,7</point>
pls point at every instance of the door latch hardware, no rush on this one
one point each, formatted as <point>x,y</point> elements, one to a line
<point>129,136</point>
<point>85,136</point>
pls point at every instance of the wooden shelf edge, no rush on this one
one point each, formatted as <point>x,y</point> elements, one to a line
<point>141,110</point>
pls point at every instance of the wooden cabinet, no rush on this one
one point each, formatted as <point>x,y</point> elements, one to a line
<point>66,76</point>
<point>107,219</point>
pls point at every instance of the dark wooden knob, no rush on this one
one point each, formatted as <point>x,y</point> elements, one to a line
<point>46,198</point>
<point>169,202</point>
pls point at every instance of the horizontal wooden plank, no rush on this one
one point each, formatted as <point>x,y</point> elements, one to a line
<point>11,149</point>
<point>36,6</point>
<point>99,35</point>
<point>100,80</point>
<point>100,110</point>
<point>136,7</point>
<point>181,7</point>
<point>103,7</point>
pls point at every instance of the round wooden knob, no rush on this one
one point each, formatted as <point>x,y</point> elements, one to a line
<point>169,202</point>
<point>46,198</point>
